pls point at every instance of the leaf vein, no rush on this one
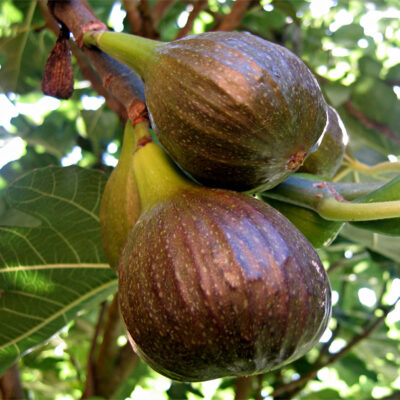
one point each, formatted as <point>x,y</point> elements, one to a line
<point>61,199</point>
<point>54,266</point>
<point>58,314</point>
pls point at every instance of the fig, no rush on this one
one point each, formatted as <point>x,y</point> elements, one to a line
<point>233,110</point>
<point>328,157</point>
<point>216,283</point>
<point>120,203</point>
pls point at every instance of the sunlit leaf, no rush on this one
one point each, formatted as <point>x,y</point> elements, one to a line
<point>13,47</point>
<point>100,126</point>
<point>56,135</point>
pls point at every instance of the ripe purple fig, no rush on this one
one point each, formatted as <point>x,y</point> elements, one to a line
<point>232,109</point>
<point>215,283</point>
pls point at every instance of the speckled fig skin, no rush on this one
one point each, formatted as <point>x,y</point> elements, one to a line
<point>232,109</point>
<point>327,159</point>
<point>214,283</point>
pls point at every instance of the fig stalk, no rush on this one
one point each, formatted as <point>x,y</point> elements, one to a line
<point>121,49</point>
<point>156,175</point>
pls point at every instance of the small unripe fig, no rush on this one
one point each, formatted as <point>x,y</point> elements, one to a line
<point>120,203</point>
<point>232,109</point>
<point>216,283</point>
<point>328,157</point>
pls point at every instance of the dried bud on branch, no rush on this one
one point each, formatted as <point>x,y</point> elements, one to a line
<point>58,77</point>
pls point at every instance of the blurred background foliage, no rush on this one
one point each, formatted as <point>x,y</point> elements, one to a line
<point>353,47</point>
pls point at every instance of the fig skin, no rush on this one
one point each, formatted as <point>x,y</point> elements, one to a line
<point>233,110</point>
<point>238,112</point>
<point>328,157</point>
<point>214,283</point>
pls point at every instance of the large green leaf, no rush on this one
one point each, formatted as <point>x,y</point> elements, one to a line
<point>348,35</point>
<point>368,136</point>
<point>50,272</point>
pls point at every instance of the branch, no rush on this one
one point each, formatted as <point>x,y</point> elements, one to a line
<point>243,387</point>
<point>133,16</point>
<point>90,375</point>
<point>10,384</point>
<point>114,364</point>
<point>258,395</point>
<point>393,83</point>
<point>160,9</point>
<point>371,124</point>
<point>108,352</point>
<point>334,357</point>
<point>232,20</point>
<point>121,81</point>
<point>147,26</point>
<point>198,6</point>
<point>126,363</point>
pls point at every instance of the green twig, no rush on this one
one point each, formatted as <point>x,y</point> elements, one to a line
<point>381,168</point>
<point>334,210</point>
<point>328,199</point>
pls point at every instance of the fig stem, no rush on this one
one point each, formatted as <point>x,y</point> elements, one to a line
<point>134,51</point>
<point>327,198</point>
<point>157,177</point>
<point>381,168</point>
<point>334,210</point>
